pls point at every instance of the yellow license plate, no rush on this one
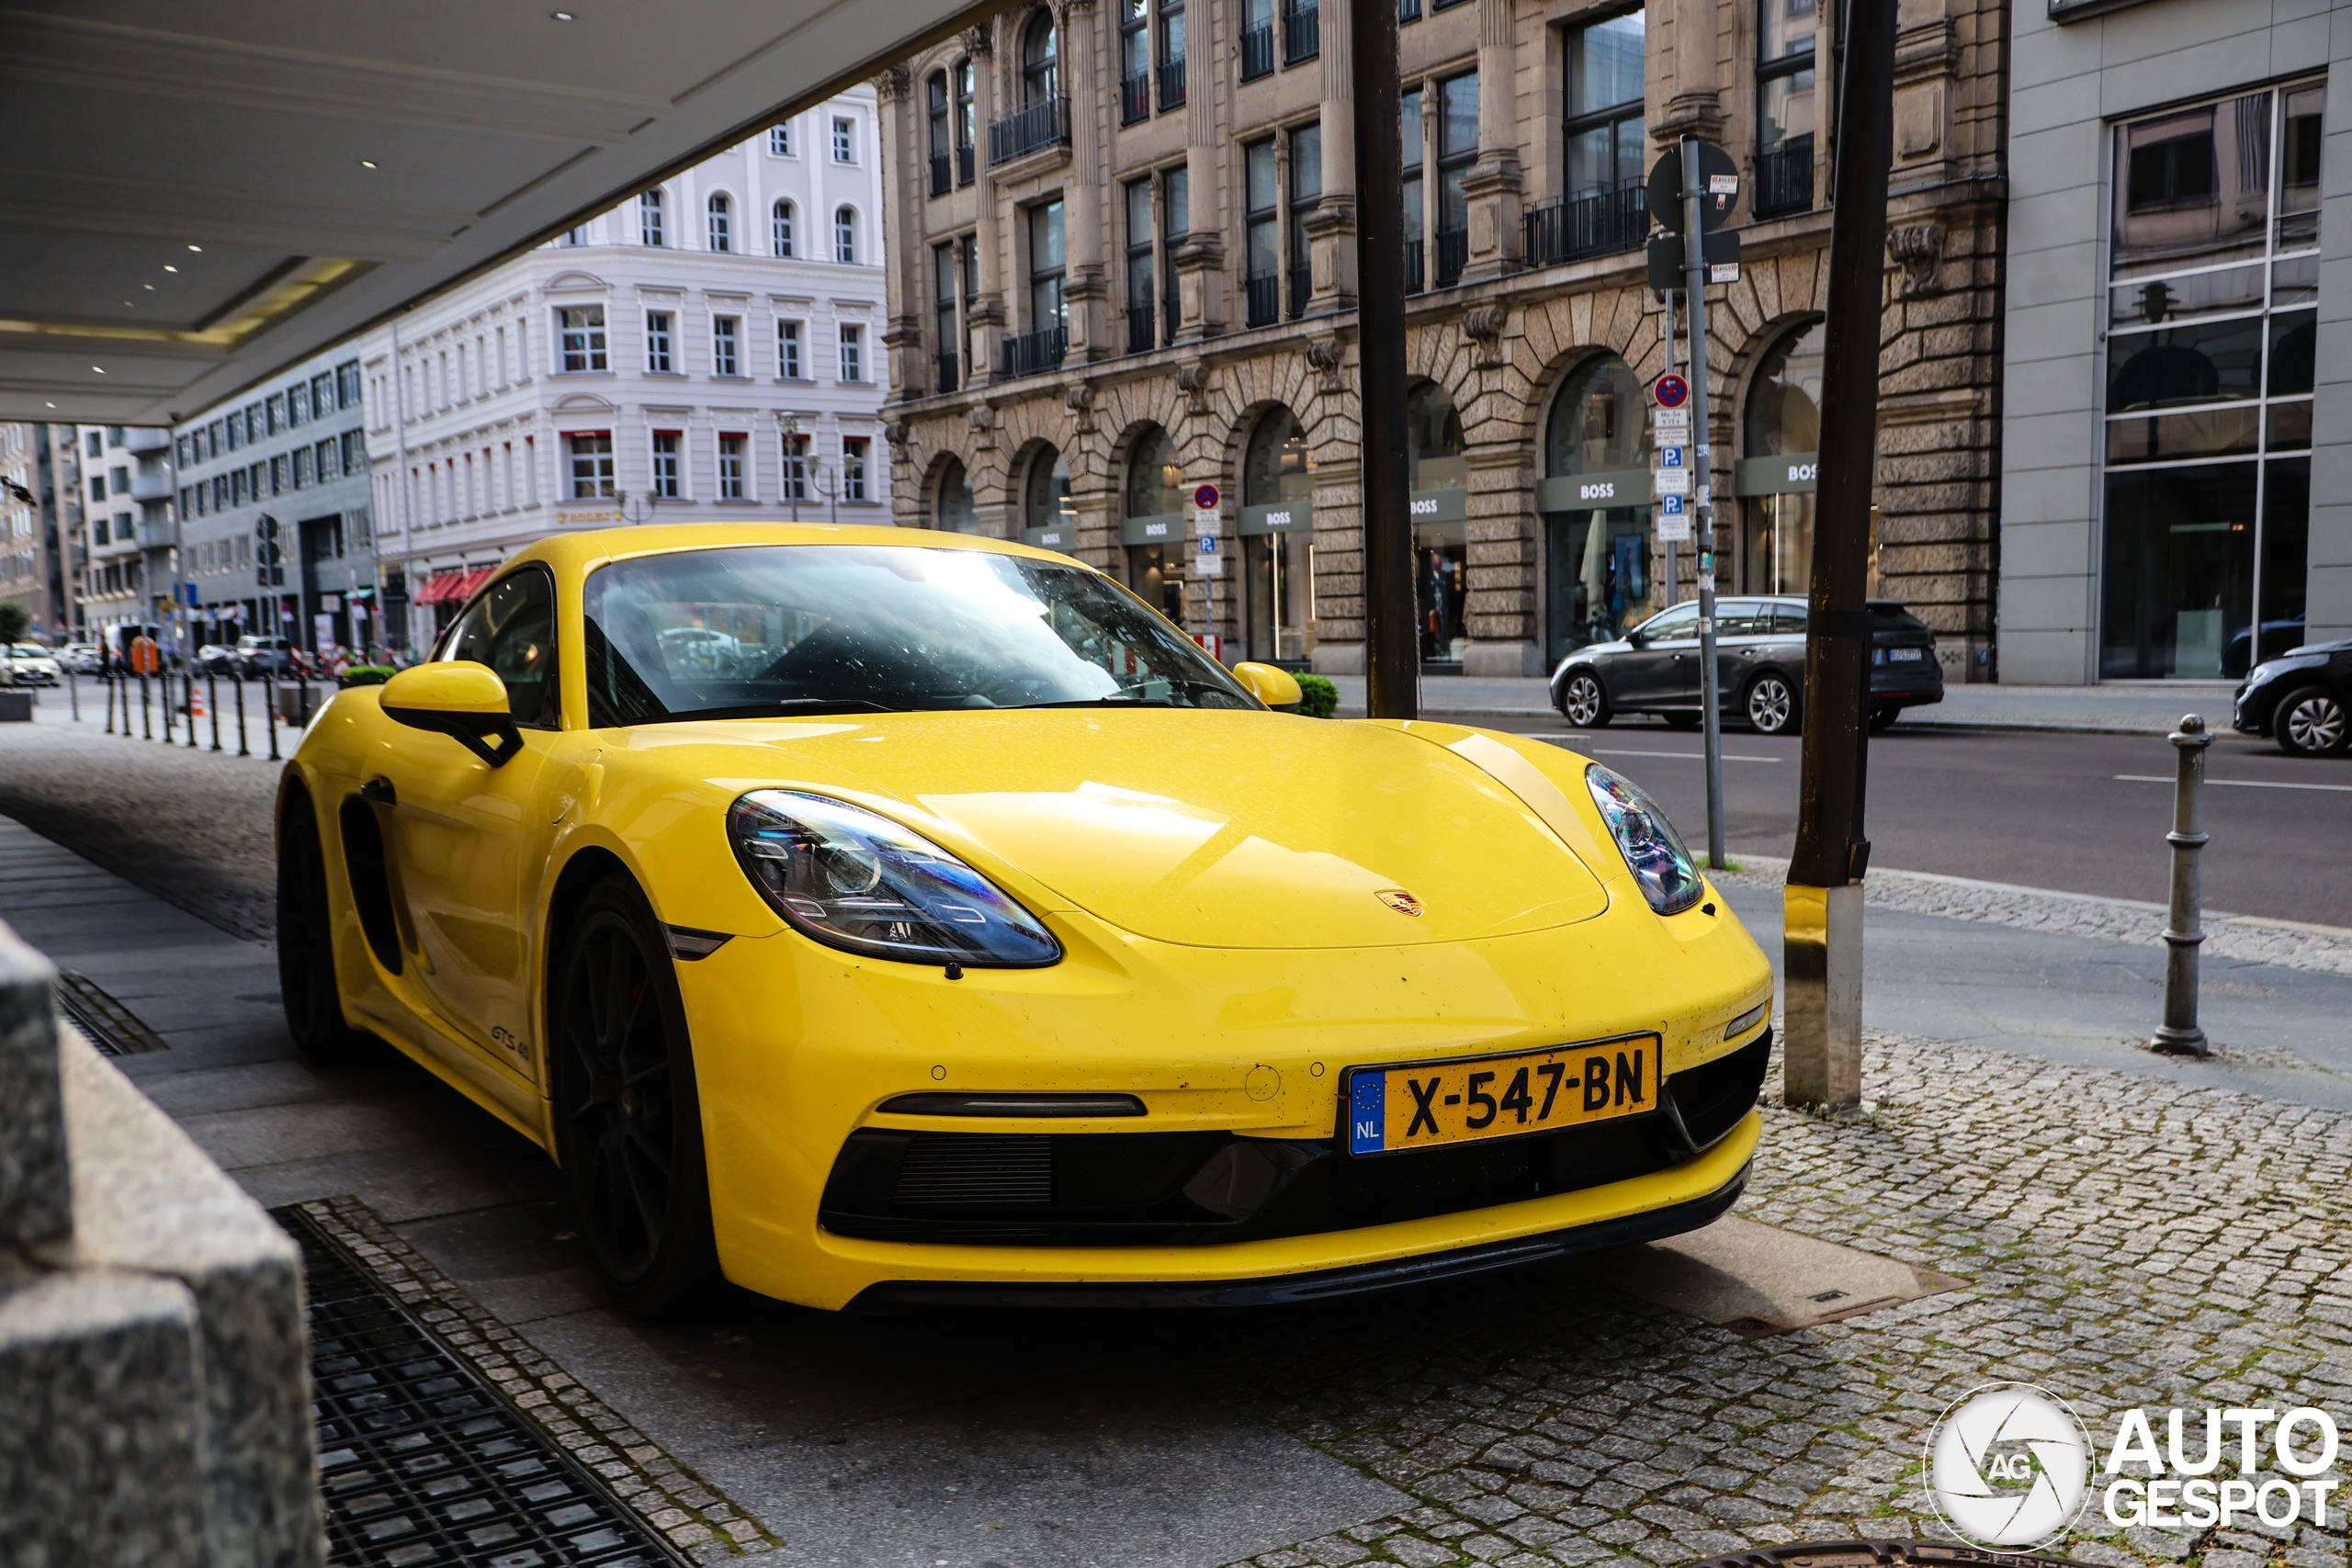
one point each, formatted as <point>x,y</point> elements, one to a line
<point>1425,1104</point>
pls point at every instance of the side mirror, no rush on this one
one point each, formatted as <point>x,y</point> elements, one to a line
<point>1637,639</point>
<point>462,700</point>
<point>1274,687</point>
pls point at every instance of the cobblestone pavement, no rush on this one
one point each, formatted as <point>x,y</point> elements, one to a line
<point>2126,1243</point>
<point>2253,939</point>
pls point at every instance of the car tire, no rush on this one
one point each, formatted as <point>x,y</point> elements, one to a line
<point>1883,720</point>
<point>307,985</point>
<point>1771,705</point>
<point>1680,720</point>
<point>2310,722</point>
<point>628,1113</point>
<point>1584,702</point>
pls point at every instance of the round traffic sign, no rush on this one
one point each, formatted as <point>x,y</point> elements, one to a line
<point>1672,391</point>
<point>145,656</point>
<point>1205,497</point>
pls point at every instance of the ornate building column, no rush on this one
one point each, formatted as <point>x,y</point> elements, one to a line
<point>902,230</point>
<point>1499,609</point>
<point>1200,255</point>
<point>1331,226</point>
<point>984,321</point>
<point>1690,83</point>
<point>1494,182</point>
<point>1085,286</point>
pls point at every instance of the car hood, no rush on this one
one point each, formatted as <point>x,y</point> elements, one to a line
<point>1214,828</point>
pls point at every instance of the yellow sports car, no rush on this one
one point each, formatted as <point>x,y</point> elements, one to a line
<point>872,915</point>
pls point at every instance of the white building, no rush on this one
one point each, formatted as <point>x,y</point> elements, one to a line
<point>709,351</point>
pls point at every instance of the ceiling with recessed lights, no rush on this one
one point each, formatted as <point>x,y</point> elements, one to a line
<point>196,195</point>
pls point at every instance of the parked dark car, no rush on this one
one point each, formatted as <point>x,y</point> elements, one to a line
<point>2279,638</point>
<point>2302,700</point>
<point>1759,652</point>
<point>257,655</point>
<point>216,659</point>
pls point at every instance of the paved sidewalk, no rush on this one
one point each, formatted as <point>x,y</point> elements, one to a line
<point>2135,707</point>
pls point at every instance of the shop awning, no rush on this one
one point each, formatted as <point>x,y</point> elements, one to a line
<point>452,587</point>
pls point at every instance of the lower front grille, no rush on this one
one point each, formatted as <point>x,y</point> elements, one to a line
<point>1197,1188</point>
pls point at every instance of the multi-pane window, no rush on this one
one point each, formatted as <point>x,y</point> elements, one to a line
<point>853,458</point>
<point>330,460</point>
<point>787,350</point>
<point>1262,231</point>
<point>1142,291</point>
<point>845,236</point>
<point>658,357</point>
<point>948,340</point>
<point>794,457</point>
<point>298,408</point>
<point>1171,54</point>
<point>782,217</point>
<point>722,224</point>
<point>1784,105</point>
<point>726,345</point>
<point>665,464</point>
<point>1047,310</point>
<point>1411,134</point>
<point>1040,61</point>
<point>1605,143</point>
<point>942,176</point>
<point>853,353</point>
<point>780,139</point>
<point>965,122</point>
<point>1135,61</point>
<point>279,476</point>
<point>589,453</point>
<point>303,471</point>
<point>2211,323</point>
<point>1457,149</point>
<point>845,140</point>
<point>239,489</point>
<point>347,385</point>
<point>650,229</point>
<point>731,468</point>
<point>1305,194</point>
<point>579,335</point>
<point>355,453</point>
<point>277,406</point>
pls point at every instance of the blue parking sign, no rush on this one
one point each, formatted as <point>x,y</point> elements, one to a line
<point>1672,505</point>
<point>1669,456</point>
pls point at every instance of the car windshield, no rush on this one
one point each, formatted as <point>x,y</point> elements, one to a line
<point>30,650</point>
<point>811,628</point>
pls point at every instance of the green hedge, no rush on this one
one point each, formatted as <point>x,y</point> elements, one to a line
<point>1318,698</point>
<point>366,675</point>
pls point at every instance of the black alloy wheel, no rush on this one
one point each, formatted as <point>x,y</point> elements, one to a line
<point>628,1119</point>
<point>2310,722</point>
<point>1583,702</point>
<point>1771,705</point>
<point>306,977</point>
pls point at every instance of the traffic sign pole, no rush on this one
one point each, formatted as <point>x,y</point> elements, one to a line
<point>1694,265</point>
<point>1673,551</point>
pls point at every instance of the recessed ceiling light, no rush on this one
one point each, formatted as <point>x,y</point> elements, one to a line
<point>99,368</point>
<point>49,405</point>
<point>559,15</point>
<point>367,162</point>
<point>196,247</point>
<point>169,268</point>
<point>148,285</point>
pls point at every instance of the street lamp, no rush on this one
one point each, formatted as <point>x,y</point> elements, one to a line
<point>787,430</point>
<point>826,485</point>
<point>636,509</point>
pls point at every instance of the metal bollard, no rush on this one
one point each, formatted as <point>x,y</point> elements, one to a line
<point>106,679</point>
<point>237,682</point>
<point>73,692</point>
<point>2179,1035</point>
<point>146,709</point>
<point>269,708</point>
<point>187,681</point>
<point>213,701</point>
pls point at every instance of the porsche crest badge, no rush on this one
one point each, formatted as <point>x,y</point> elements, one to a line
<point>1396,898</point>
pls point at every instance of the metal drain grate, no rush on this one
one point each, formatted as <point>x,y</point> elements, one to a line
<point>421,1463</point>
<point>112,1027</point>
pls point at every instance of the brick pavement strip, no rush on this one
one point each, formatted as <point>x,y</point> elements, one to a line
<point>2127,1243</point>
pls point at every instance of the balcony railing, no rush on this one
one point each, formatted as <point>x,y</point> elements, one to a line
<point>964,166</point>
<point>1031,354</point>
<point>1265,300</point>
<point>948,381</point>
<point>1134,97</point>
<point>1453,254</point>
<point>1143,329</point>
<point>1172,84</point>
<point>1784,178</point>
<point>1301,33</point>
<point>1413,283</point>
<point>1597,223</point>
<point>1302,283</point>
<point>1256,52</point>
<point>943,178</point>
<point>1044,123</point>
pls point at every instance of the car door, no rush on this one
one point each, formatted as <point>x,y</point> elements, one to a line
<point>470,842</point>
<point>1743,631</point>
<point>1662,668</point>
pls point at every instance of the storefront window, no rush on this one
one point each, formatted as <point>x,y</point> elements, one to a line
<point>2211,324</point>
<point>1783,422</point>
<point>1045,501</point>
<point>954,510</point>
<point>1439,476</point>
<point>1597,576</point>
<point>1155,523</point>
<point>1278,539</point>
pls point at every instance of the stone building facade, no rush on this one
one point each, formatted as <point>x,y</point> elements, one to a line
<point>1122,270</point>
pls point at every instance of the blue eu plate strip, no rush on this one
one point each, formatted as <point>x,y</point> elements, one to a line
<point>1368,1113</point>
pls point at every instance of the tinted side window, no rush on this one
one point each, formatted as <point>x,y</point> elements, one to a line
<point>1788,620</point>
<point>512,629</point>
<point>1742,617</point>
<point>1682,620</point>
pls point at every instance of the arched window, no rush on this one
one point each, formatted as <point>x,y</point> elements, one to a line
<point>722,226</point>
<point>1040,61</point>
<point>1045,499</point>
<point>1155,523</point>
<point>953,510</point>
<point>844,235</point>
<point>1277,538</point>
<point>1438,474</point>
<point>1596,536</point>
<point>1782,420</point>
<point>649,219</point>
<point>783,213</point>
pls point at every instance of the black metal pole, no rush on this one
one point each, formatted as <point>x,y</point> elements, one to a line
<point>1823,915</point>
<point>237,685</point>
<point>213,701</point>
<point>146,710</point>
<point>1392,644</point>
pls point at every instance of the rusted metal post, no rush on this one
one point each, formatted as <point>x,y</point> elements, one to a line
<point>2178,1035</point>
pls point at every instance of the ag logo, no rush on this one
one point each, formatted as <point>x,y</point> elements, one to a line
<point>2008,1467</point>
<point>1396,898</point>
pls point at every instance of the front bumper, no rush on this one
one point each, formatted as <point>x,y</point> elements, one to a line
<point>797,1047</point>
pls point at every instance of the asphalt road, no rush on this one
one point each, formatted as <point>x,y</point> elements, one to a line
<point>2046,809</point>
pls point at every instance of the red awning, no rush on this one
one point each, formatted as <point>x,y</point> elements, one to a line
<point>452,587</point>
<point>472,584</point>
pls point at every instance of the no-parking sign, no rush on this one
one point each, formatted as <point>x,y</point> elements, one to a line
<point>1205,497</point>
<point>1672,391</point>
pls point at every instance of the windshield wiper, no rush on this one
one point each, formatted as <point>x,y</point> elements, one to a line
<point>1093,703</point>
<point>786,708</point>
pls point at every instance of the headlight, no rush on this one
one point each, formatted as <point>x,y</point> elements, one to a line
<point>1653,851</point>
<point>858,881</point>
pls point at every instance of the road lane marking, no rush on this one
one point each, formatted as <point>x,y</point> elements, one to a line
<point>2242,783</point>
